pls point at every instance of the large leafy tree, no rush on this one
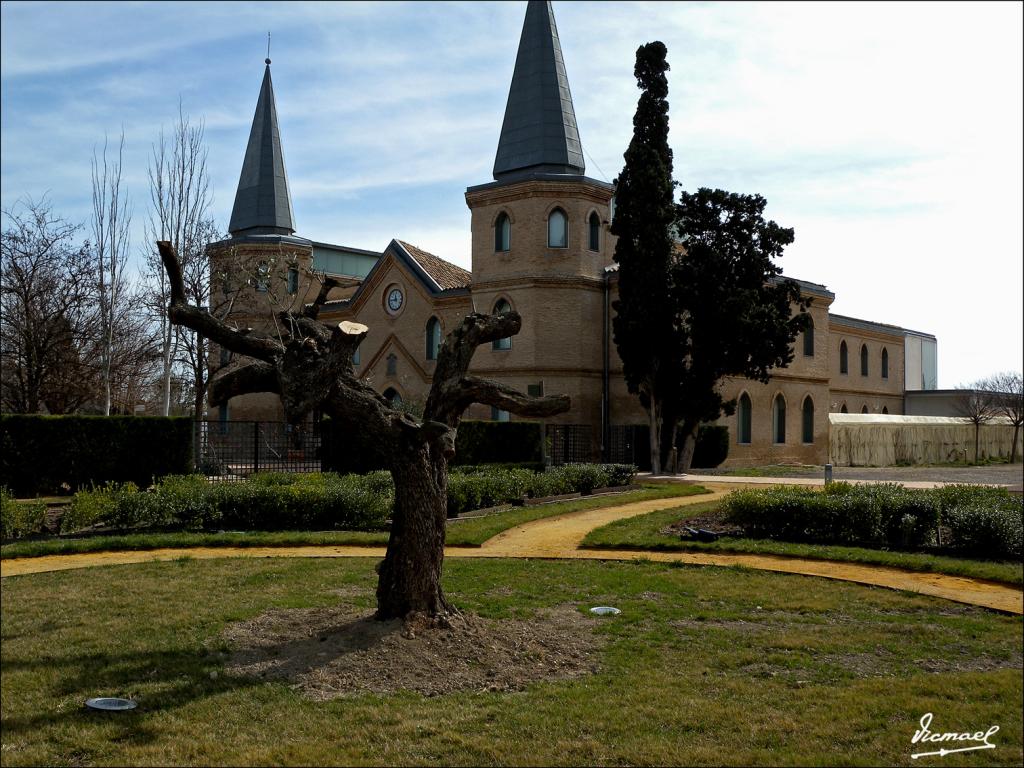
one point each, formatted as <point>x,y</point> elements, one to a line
<point>735,313</point>
<point>646,337</point>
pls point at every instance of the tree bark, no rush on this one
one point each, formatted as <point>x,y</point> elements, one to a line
<point>689,430</point>
<point>654,419</point>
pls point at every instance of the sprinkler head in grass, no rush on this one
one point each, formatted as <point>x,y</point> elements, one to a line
<point>605,610</point>
<point>111,704</point>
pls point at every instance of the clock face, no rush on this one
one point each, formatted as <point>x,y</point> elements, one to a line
<point>395,299</point>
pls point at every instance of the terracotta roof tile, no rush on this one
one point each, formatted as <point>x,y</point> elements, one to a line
<point>444,273</point>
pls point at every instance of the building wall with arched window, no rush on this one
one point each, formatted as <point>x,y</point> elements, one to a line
<point>874,390</point>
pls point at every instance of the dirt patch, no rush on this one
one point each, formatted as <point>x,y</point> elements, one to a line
<point>333,652</point>
<point>713,520</point>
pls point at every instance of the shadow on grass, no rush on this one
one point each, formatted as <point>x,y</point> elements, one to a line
<point>164,681</point>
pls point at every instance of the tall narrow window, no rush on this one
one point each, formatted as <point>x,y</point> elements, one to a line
<point>885,363</point>
<point>844,360</point>
<point>502,233</point>
<point>808,420</point>
<point>863,359</point>
<point>595,231</point>
<point>558,229</point>
<point>885,410</point>
<point>355,357</point>
<point>498,415</point>
<point>262,278</point>
<point>864,409</point>
<point>224,419</point>
<point>844,409</point>
<point>809,339</point>
<point>502,307</point>
<point>293,280</point>
<point>392,360</point>
<point>779,419</point>
<point>743,420</point>
<point>433,338</point>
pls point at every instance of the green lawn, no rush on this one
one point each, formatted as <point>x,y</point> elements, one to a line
<point>470,532</point>
<point>644,532</point>
<point>705,666</point>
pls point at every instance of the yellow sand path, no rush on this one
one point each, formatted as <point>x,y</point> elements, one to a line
<point>559,538</point>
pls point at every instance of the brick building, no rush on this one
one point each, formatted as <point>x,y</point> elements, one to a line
<point>541,246</point>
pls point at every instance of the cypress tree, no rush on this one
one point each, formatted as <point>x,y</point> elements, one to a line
<point>643,325</point>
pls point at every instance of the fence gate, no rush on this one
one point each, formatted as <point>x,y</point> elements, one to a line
<point>630,444</point>
<point>236,449</point>
<point>569,443</point>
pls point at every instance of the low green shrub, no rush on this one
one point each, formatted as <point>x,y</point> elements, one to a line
<point>20,518</point>
<point>620,474</point>
<point>96,506</point>
<point>983,521</point>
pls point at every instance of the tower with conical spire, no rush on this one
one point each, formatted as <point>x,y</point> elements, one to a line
<point>263,205</point>
<point>262,264</point>
<point>540,239</point>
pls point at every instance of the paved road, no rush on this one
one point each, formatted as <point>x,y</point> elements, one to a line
<point>998,474</point>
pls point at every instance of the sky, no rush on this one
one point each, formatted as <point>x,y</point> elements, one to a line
<point>888,135</point>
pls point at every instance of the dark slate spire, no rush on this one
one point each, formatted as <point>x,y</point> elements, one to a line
<point>263,205</point>
<point>539,132</point>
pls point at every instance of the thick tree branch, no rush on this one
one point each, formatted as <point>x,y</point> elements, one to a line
<point>249,379</point>
<point>313,310</point>
<point>476,390</point>
<point>241,342</point>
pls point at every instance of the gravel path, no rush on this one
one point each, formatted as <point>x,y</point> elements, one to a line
<point>559,538</point>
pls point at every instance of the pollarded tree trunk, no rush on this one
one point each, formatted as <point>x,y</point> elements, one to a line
<point>310,367</point>
<point>410,575</point>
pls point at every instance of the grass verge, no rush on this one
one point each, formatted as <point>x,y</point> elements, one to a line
<point>644,532</point>
<point>471,532</point>
<point>705,666</point>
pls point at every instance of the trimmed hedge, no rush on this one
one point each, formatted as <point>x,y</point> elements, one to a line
<point>54,454</point>
<point>17,519</point>
<point>983,522</point>
<point>476,443</point>
<point>286,501</point>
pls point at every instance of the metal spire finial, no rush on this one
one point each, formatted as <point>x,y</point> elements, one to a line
<point>268,49</point>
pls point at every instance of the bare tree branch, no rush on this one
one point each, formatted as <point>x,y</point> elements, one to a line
<point>247,380</point>
<point>245,342</point>
<point>476,390</point>
<point>313,310</point>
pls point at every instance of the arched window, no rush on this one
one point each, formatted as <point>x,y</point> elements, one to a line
<point>392,396</point>
<point>392,361</point>
<point>864,409</point>
<point>595,231</point>
<point>863,359</point>
<point>809,338</point>
<point>743,419</point>
<point>502,233</point>
<point>885,363</point>
<point>502,307</point>
<point>779,419</point>
<point>843,409</point>
<point>844,360</point>
<point>293,280</point>
<point>808,420</point>
<point>433,338</point>
<point>885,410</point>
<point>558,229</point>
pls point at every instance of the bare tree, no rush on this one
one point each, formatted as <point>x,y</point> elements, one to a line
<point>977,403</point>
<point>49,321</point>
<point>180,198</point>
<point>310,367</point>
<point>111,223</point>
<point>1008,391</point>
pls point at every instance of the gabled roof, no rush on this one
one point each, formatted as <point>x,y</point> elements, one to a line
<point>444,274</point>
<point>433,273</point>
<point>263,205</point>
<point>539,132</point>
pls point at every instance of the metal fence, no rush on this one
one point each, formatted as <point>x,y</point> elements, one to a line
<point>236,449</point>
<point>569,443</point>
<point>630,444</point>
